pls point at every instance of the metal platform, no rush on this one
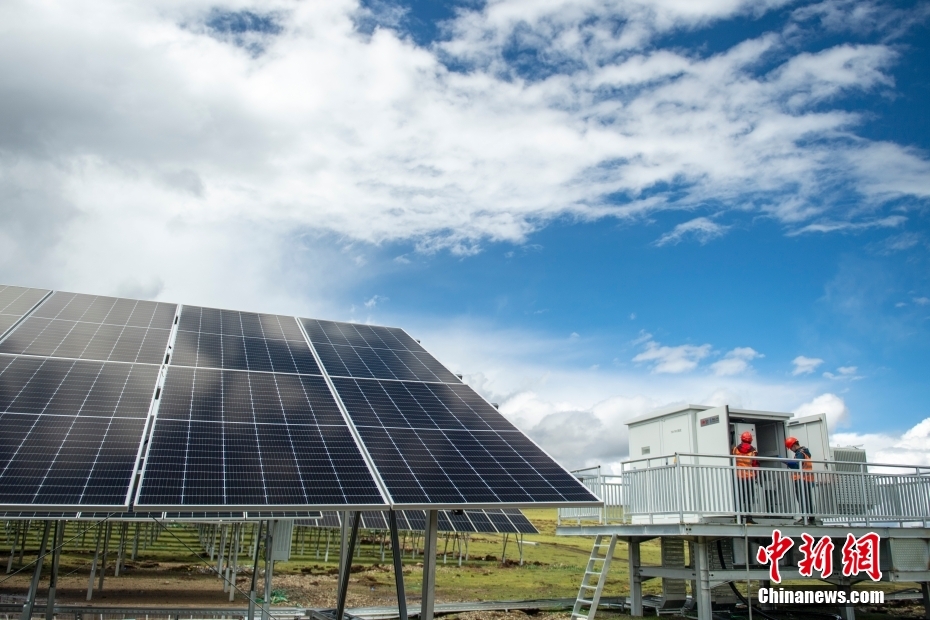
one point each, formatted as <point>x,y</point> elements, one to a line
<point>695,498</point>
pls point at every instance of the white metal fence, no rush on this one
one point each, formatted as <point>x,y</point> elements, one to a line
<point>693,488</point>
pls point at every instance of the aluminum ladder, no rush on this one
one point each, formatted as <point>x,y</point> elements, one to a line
<point>595,575</point>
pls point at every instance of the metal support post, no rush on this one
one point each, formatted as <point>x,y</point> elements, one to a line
<point>9,565</point>
<point>58,540</point>
<point>269,567</point>
<point>702,568</point>
<point>428,597</point>
<point>220,558</point>
<point>925,592</point>
<point>347,567</point>
<point>398,553</point>
<point>93,564</point>
<point>103,556</point>
<point>135,543</point>
<point>253,592</point>
<point>636,582</point>
<point>121,548</point>
<point>234,569</point>
<point>848,611</point>
<point>37,573</point>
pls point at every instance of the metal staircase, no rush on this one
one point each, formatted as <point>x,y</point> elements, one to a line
<point>595,574</point>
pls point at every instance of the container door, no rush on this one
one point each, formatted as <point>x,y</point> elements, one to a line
<point>811,431</point>
<point>712,429</point>
<point>676,435</point>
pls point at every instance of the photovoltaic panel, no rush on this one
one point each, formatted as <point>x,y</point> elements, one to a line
<point>90,327</point>
<point>251,440</point>
<point>443,444</point>
<point>365,351</point>
<point>210,338</point>
<point>92,341</point>
<point>15,302</point>
<point>70,430</point>
<point>108,310</point>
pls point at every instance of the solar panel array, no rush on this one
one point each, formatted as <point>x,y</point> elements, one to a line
<point>228,412</point>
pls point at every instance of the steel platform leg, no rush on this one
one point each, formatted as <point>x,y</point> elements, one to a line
<point>925,591</point>
<point>93,564</point>
<point>636,582</point>
<point>428,598</point>
<point>702,568</point>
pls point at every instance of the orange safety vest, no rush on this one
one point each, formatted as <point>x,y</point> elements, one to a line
<point>744,463</point>
<point>806,466</point>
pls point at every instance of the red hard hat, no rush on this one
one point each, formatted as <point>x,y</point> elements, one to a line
<point>746,437</point>
<point>791,441</point>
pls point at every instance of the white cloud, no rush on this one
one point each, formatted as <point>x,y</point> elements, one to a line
<point>909,448</point>
<point>805,365</point>
<point>891,221</point>
<point>375,300</point>
<point>830,404</point>
<point>199,156</point>
<point>922,301</point>
<point>735,361</point>
<point>674,360</point>
<point>844,373</point>
<point>701,228</point>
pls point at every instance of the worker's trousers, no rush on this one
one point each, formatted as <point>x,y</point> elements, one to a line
<point>745,494</point>
<point>804,491</point>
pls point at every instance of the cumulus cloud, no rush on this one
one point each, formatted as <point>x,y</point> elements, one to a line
<point>701,228</point>
<point>674,360</point>
<point>909,448</point>
<point>735,361</point>
<point>830,404</point>
<point>804,365</point>
<point>263,139</point>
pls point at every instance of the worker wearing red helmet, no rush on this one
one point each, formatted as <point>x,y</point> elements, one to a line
<point>803,478</point>
<point>746,472</point>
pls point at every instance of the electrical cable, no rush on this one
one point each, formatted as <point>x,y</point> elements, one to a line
<point>739,595</point>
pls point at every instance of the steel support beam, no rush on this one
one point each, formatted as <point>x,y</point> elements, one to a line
<point>347,565</point>
<point>398,554</point>
<point>58,540</point>
<point>36,574</point>
<point>269,568</point>
<point>428,599</point>
<point>253,591</point>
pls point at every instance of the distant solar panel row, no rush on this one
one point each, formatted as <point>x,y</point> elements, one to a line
<point>491,521</point>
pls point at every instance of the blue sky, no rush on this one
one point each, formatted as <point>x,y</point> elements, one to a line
<point>590,209</point>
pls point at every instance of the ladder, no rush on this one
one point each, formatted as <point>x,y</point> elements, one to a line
<point>595,575</point>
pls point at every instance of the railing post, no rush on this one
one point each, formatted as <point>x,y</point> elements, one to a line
<point>681,489</point>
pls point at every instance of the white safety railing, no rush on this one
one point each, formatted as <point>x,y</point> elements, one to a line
<point>696,488</point>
